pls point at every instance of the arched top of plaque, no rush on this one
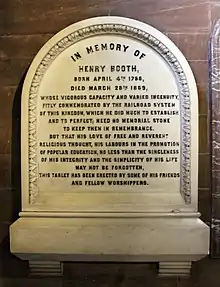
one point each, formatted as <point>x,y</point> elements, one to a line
<point>133,56</point>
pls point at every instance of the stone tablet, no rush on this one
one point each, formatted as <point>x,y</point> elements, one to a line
<point>109,109</point>
<point>110,125</point>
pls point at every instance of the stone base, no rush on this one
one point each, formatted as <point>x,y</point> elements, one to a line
<point>181,269</point>
<point>45,268</point>
<point>173,241</point>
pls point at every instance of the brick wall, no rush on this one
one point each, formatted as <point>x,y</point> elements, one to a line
<point>25,25</point>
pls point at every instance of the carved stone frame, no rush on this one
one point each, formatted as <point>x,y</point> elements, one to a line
<point>214,70</point>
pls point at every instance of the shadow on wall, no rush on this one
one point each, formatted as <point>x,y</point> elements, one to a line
<point>11,266</point>
<point>16,150</point>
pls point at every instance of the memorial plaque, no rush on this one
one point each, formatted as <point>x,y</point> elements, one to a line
<point>109,112</point>
<point>109,124</point>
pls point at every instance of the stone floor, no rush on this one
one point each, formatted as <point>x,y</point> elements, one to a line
<point>14,273</point>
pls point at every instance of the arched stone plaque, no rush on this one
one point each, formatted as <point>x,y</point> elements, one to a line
<point>110,149</point>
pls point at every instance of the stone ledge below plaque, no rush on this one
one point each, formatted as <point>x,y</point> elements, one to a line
<point>110,239</point>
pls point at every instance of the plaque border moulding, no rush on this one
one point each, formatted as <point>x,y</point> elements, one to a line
<point>146,38</point>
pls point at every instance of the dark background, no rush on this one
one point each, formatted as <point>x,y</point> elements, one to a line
<point>25,25</point>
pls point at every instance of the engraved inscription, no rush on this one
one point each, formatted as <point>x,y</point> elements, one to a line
<point>110,128</point>
<point>111,121</point>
